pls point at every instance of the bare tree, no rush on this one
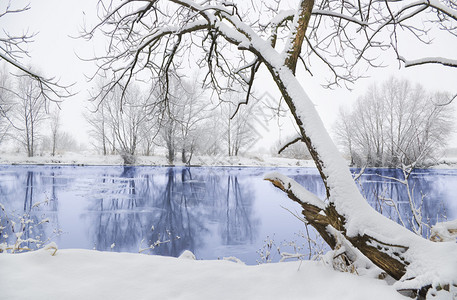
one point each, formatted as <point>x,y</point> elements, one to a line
<point>295,150</point>
<point>98,118</point>
<point>58,141</point>
<point>126,121</point>
<point>30,112</point>
<point>192,115</point>
<point>148,133</point>
<point>64,142</point>
<point>238,130</point>
<point>168,121</point>
<point>6,104</point>
<point>119,125</point>
<point>183,111</point>
<point>100,130</point>
<point>234,40</point>
<point>396,124</point>
<point>343,133</point>
<point>55,129</point>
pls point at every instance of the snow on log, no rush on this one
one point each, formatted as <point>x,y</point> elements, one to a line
<point>289,185</point>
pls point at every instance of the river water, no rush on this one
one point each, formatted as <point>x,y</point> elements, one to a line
<point>214,212</point>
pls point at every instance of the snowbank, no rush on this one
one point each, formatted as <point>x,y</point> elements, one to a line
<point>88,274</point>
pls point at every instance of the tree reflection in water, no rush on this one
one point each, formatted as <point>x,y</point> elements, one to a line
<point>210,211</point>
<point>139,209</point>
<point>375,187</point>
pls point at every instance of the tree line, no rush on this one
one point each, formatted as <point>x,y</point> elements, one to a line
<point>185,123</point>
<point>396,123</point>
<point>139,120</point>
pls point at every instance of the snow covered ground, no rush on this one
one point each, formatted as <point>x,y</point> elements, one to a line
<point>92,159</point>
<point>249,160</point>
<point>88,274</point>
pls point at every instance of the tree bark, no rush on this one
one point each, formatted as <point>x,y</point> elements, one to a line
<point>301,20</point>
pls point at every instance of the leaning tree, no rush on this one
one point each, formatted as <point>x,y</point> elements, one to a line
<point>234,41</point>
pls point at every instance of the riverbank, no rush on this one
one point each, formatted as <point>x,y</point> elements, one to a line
<point>260,160</point>
<point>88,159</point>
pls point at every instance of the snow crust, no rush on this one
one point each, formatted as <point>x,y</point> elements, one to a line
<point>88,274</point>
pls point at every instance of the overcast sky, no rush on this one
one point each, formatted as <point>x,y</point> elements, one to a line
<point>53,52</point>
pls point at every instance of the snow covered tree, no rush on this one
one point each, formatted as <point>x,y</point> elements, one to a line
<point>235,39</point>
<point>396,124</point>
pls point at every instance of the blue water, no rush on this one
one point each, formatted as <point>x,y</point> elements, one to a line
<point>213,212</point>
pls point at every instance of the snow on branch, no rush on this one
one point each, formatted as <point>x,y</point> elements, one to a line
<point>282,16</point>
<point>339,16</point>
<point>290,186</point>
<point>289,14</point>
<point>429,60</point>
<point>442,8</point>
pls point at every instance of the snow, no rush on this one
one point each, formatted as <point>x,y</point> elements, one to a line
<point>296,189</point>
<point>87,159</point>
<point>89,274</point>
<point>433,263</point>
<point>450,11</point>
<point>281,16</point>
<point>339,16</point>
<point>429,60</point>
<point>444,231</point>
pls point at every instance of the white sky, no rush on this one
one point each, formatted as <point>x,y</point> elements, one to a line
<point>53,52</point>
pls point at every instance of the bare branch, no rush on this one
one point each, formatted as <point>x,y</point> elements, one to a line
<point>297,139</point>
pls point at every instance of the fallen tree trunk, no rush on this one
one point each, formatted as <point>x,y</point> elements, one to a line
<point>393,258</point>
<point>326,220</point>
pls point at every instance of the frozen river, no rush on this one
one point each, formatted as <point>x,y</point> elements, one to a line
<point>214,212</point>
